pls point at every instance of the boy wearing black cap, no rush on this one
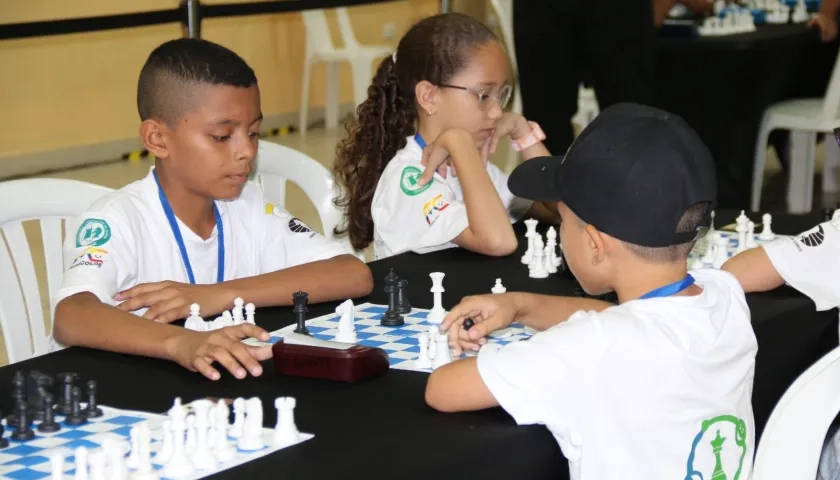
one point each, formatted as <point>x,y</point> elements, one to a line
<point>658,386</point>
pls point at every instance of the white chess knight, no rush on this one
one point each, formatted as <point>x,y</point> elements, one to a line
<point>346,325</point>
<point>285,432</point>
<point>530,232</point>
<point>437,314</point>
<point>251,438</point>
<point>194,321</point>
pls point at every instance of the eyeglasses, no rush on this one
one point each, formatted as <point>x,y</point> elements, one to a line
<point>484,95</point>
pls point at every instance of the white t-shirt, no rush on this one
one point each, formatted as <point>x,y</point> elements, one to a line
<point>408,217</point>
<point>124,239</point>
<point>642,389</point>
<point>810,262</point>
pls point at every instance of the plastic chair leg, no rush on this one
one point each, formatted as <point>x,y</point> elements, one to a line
<point>331,112</point>
<point>303,121</point>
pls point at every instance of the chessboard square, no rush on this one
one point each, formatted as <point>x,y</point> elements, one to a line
<point>403,355</point>
<point>420,314</point>
<point>366,321</point>
<point>316,329</point>
<point>26,474</point>
<point>415,349</point>
<point>272,340</point>
<point>394,347</point>
<point>28,460</point>
<point>385,338</point>
<point>379,330</point>
<point>365,335</point>
<point>374,309</point>
<point>417,327</point>
<point>21,450</point>
<point>6,458</point>
<point>73,445</point>
<point>408,340</point>
<point>47,442</point>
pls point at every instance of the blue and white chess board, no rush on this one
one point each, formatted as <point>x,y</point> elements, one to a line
<point>400,343</point>
<point>700,247</point>
<point>30,459</point>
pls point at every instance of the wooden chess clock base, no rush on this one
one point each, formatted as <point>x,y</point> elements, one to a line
<point>304,356</point>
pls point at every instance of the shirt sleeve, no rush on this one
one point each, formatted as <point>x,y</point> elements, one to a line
<point>290,242</point>
<point>98,257</point>
<point>517,207</point>
<point>544,380</point>
<point>810,262</point>
<point>408,217</point>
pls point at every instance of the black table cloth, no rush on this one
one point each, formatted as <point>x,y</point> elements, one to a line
<point>722,85</point>
<point>382,428</point>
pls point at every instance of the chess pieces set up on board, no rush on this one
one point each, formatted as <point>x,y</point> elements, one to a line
<point>241,314</point>
<point>717,245</point>
<point>728,19</point>
<point>541,256</point>
<point>33,401</point>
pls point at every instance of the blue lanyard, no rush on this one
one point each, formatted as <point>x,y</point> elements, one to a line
<point>420,141</point>
<point>670,289</point>
<point>170,215</point>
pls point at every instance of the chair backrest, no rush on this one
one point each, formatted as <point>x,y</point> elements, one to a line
<point>346,29</point>
<point>792,441</point>
<point>504,13</point>
<point>318,39</point>
<point>277,163</point>
<point>49,201</point>
<point>831,102</point>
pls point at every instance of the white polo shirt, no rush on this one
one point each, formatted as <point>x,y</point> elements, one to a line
<point>125,239</point>
<point>408,217</point>
<point>810,262</point>
<point>642,389</point>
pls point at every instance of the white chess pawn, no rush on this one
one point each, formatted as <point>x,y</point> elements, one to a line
<point>238,305</point>
<point>751,235</point>
<point>285,432</point>
<point>423,360</point>
<point>498,287</point>
<point>133,460</point>
<point>165,452</point>
<point>189,446</point>
<point>57,466</point>
<point>766,232</point>
<point>117,469</point>
<point>721,252</point>
<point>741,227</point>
<point>223,450</point>
<point>229,320</point>
<point>238,417</point>
<point>433,334</point>
<point>437,314</point>
<point>531,231</point>
<point>97,465</point>
<point>81,455</point>
<point>538,264</point>
<point>250,310</point>
<point>194,321</point>
<point>549,261</point>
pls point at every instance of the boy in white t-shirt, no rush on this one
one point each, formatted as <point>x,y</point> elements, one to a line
<point>195,230</point>
<point>810,263</point>
<point>413,171</point>
<point>658,386</point>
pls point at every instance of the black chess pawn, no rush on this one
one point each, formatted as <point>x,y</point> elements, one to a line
<point>92,410</point>
<point>403,306</point>
<point>49,425</point>
<point>392,317</point>
<point>468,323</point>
<point>300,299</point>
<point>4,442</point>
<point>18,395</point>
<point>76,417</point>
<point>22,432</point>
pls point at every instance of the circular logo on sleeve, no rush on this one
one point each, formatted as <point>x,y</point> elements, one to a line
<point>409,181</point>
<point>93,232</point>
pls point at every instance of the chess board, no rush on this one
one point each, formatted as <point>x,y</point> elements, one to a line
<point>400,343</point>
<point>700,247</point>
<point>30,460</point>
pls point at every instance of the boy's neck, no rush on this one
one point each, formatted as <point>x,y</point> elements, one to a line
<point>194,210</point>
<point>642,278</point>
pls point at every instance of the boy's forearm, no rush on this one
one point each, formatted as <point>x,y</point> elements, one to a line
<point>545,311</point>
<point>829,8</point>
<point>338,278</point>
<point>754,271</point>
<point>83,320</point>
<point>544,212</point>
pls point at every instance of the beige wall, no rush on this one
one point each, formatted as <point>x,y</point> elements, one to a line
<point>77,90</point>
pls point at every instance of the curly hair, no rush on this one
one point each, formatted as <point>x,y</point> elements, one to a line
<point>435,49</point>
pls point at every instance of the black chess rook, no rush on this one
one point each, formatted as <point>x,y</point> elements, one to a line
<point>392,317</point>
<point>92,410</point>
<point>403,306</point>
<point>300,299</point>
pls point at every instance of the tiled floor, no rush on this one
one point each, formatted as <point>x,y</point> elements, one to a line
<point>320,145</point>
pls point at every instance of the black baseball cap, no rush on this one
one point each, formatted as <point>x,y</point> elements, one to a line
<point>631,173</point>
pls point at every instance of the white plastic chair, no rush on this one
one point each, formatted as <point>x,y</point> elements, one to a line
<point>50,201</point>
<point>587,104</point>
<point>804,118</point>
<point>792,441</point>
<point>320,48</point>
<point>277,164</point>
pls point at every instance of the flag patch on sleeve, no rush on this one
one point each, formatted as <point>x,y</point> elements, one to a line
<point>433,208</point>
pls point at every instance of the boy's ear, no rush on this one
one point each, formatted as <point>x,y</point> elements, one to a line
<point>427,97</point>
<point>597,244</point>
<point>154,135</point>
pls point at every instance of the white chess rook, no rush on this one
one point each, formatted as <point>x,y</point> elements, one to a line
<point>285,432</point>
<point>437,314</point>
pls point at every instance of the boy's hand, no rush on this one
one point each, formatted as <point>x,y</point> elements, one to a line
<point>827,26</point>
<point>170,301</point>
<point>511,125</point>
<point>436,156</point>
<point>197,351</point>
<point>488,312</point>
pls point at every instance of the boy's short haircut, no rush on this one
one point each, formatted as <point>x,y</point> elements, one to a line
<point>636,173</point>
<point>177,67</point>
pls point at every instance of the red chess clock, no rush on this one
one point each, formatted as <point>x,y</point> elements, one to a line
<point>304,356</point>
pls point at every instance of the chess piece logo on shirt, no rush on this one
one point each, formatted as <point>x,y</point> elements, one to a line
<point>91,257</point>
<point>432,208</point>
<point>719,450</point>
<point>812,238</point>
<point>409,181</point>
<point>94,232</point>
<point>297,226</point>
